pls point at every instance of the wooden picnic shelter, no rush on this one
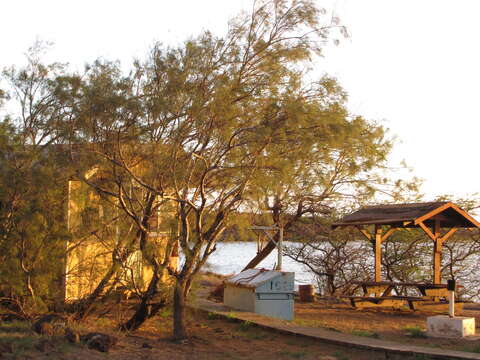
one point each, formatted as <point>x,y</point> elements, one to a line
<point>439,220</point>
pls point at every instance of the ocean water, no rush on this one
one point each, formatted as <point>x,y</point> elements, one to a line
<point>231,257</point>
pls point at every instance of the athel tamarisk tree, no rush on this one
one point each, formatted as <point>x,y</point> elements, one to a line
<point>197,125</point>
<point>201,130</point>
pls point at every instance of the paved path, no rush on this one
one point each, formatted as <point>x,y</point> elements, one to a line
<point>391,349</point>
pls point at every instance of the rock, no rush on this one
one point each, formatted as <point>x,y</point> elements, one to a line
<point>6,348</point>
<point>49,324</point>
<point>11,317</point>
<point>45,329</point>
<point>45,345</point>
<point>147,346</point>
<point>99,341</point>
<point>182,342</point>
<point>72,336</point>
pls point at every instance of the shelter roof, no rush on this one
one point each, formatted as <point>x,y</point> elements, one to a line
<point>411,215</point>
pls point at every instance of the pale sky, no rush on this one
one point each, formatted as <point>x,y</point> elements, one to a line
<point>413,65</point>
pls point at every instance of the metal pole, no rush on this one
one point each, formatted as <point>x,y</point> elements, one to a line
<point>280,248</point>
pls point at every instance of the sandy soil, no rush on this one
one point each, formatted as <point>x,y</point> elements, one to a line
<point>395,325</point>
<point>218,338</point>
<point>404,326</point>
<point>211,338</point>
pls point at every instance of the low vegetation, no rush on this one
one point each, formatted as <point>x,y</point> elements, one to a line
<point>127,172</point>
<point>212,337</point>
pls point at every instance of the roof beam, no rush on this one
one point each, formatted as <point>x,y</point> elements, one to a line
<point>389,233</point>
<point>448,234</point>
<point>466,215</point>
<point>364,232</point>
<point>434,212</point>
<point>427,230</point>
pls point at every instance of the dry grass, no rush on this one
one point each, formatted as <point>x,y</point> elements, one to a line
<point>214,337</point>
<point>403,326</point>
<point>211,337</point>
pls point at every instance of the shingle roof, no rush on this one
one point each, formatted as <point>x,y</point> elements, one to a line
<point>410,215</point>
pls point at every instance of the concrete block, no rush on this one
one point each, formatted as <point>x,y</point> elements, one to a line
<point>445,326</point>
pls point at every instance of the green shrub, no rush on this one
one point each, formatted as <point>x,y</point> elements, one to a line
<point>365,333</point>
<point>415,332</point>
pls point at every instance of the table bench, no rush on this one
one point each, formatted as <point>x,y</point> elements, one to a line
<point>378,294</point>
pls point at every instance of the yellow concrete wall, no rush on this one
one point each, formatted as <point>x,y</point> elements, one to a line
<point>90,256</point>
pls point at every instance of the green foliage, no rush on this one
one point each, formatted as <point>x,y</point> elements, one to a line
<point>32,220</point>
<point>245,326</point>
<point>232,317</point>
<point>214,316</point>
<point>18,337</point>
<point>474,349</point>
<point>293,354</point>
<point>422,357</point>
<point>212,130</point>
<point>340,355</point>
<point>365,333</point>
<point>415,332</point>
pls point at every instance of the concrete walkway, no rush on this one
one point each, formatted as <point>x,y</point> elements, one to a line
<point>392,350</point>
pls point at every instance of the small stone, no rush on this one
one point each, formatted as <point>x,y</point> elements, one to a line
<point>6,348</point>
<point>45,345</point>
<point>99,341</point>
<point>147,346</point>
<point>45,329</point>
<point>49,324</point>
<point>182,342</point>
<point>12,317</point>
<point>72,336</point>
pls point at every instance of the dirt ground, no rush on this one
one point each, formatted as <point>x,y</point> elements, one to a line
<point>403,326</point>
<point>212,337</point>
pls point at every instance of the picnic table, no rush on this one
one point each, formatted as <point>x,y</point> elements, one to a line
<point>379,294</point>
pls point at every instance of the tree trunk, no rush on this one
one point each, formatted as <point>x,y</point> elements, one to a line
<point>85,306</point>
<point>179,326</point>
<point>261,255</point>
<point>270,246</point>
<point>145,309</point>
<point>30,289</point>
<point>331,284</point>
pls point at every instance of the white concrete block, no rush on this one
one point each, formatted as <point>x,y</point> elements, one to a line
<point>445,326</point>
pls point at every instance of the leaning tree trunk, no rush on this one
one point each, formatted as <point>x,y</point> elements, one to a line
<point>179,311</point>
<point>261,255</point>
<point>270,246</point>
<point>145,309</point>
<point>84,307</point>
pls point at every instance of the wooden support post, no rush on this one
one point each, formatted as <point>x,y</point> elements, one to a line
<point>376,241</point>
<point>378,253</point>
<point>438,240</point>
<point>437,253</point>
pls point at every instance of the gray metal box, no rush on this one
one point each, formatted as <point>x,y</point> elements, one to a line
<point>265,292</point>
